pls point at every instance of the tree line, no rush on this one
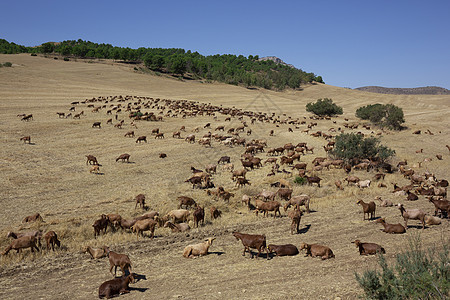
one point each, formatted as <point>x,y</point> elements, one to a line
<point>232,69</point>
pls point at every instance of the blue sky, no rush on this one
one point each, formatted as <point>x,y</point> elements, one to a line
<point>396,43</point>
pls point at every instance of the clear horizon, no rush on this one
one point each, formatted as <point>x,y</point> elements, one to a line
<point>397,44</point>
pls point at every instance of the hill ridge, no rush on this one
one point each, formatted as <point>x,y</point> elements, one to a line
<point>427,90</point>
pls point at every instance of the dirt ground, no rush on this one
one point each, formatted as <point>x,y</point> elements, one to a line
<point>50,176</point>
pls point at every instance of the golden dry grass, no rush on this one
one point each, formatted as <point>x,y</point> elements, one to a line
<point>50,176</point>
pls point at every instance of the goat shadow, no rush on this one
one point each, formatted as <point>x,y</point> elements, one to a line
<point>31,143</point>
<point>142,290</point>
<point>304,229</point>
<point>99,173</point>
<point>218,253</point>
<point>262,255</point>
<point>139,277</point>
<point>374,218</point>
<point>416,226</point>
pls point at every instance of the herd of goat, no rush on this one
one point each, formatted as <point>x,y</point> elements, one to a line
<point>284,159</point>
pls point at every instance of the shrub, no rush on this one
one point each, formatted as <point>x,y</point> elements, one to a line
<point>7,64</point>
<point>324,107</point>
<point>416,274</point>
<point>351,145</point>
<point>300,180</point>
<point>384,115</point>
<point>66,59</point>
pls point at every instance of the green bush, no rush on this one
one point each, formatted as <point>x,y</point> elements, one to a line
<point>384,115</point>
<point>351,145</point>
<point>416,274</point>
<point>7,64</point>
<point>300,180</point>
<point>33,54</point>
<point>66,59</point>
<point>324,107</point>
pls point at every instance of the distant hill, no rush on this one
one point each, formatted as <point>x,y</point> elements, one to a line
<point>427,90</point>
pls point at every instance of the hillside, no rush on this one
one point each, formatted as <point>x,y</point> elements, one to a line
<point>428,90</point>
<point>51,176</point>
<point>231,69</point>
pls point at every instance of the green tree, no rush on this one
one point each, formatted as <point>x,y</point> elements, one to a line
<point>178,65</point>
<point>350,146</point>
<point>47,47</point>
<point>324,107</point>
<point>384,115</point>
<point>394,117</point>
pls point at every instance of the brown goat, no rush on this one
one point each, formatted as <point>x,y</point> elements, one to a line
<point>91,159</point>
<point>413,214</point>
<point>268,206</point>
<point>129,134</point>
<point>36,233</point>
<point>391,228</point>
<point>180,227</point>
<point>117,260</point>
<point>215,213</point>
<point>283,250</point>
<point>100,224</point>
<point>33,218</point>
<point>385,202</point>
<point>22,243</point>
<point>180,215</point>
<point>368,208</point>
<point>186,201</point>
<point>116,286</point>
<point>242,182</point>
<point>198,249</point>
<point>338,184</point>
<point>314,250</point>
<point>432,220</point>
<point>144,225</point>
<point>296,216</point>
<point>95,169</point>
<point>199,215</point>
<point>140,200</point>
<point>285,193</point>
<point>52,239</point>
<point>95,252</point>
<point>141,139</point>
<point>254,241</point>
<point>352,179</point>
<point>26,139</point>
<point>298,201</point>
<point>313,179</point>
<point>440,205</point>
<point>124,157</point>
<point>368,248</point>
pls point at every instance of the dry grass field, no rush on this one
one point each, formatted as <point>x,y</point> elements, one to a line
<point>50,176</point>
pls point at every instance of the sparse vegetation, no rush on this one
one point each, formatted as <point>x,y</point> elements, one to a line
<point>416,274</point>
<point>350,146</point>
<point>384,115</point>
<point>324,107</point>
<point>6,64</point>
<point>300,180</point>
